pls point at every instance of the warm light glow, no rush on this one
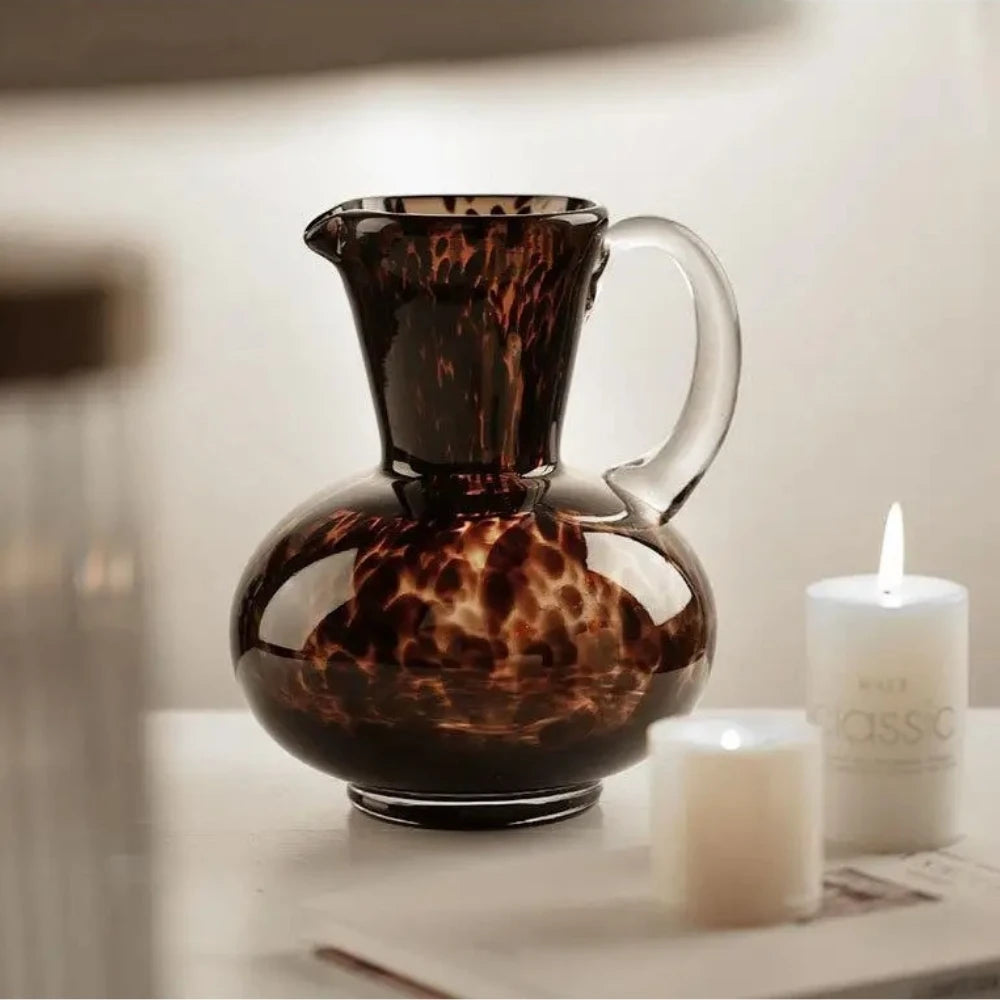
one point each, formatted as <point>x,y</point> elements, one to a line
<point>890,566</point>
<point>730,739</point>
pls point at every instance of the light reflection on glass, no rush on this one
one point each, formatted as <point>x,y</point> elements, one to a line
<point>641,571</point>
<point>306,598</point>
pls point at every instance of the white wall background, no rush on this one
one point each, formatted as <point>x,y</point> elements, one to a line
<point>842,170</point>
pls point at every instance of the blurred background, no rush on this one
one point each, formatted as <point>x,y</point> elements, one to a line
<point>841,158</point>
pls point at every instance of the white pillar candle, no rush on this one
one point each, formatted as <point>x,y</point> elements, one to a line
<point>888,685</point>
<point>736,825</point>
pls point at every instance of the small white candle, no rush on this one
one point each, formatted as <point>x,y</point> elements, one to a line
<point>888,684</point>
<point>736,826</point>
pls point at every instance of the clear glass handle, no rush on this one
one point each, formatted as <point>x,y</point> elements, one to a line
<point>661,480</point>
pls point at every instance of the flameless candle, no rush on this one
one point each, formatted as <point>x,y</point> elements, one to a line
<point>736,830</point>
<point>888,684</point>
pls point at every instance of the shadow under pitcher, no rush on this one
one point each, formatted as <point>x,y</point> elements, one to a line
<point>472,634</point>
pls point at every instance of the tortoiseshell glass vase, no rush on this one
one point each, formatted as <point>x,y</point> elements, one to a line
<point>471,634</point>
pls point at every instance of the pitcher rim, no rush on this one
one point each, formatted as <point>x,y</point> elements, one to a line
<point>574,206</point>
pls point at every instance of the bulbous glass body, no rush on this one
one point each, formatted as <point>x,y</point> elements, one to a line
<point>471,635</point>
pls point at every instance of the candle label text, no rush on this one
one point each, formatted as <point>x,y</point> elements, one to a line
<point>887,728</point>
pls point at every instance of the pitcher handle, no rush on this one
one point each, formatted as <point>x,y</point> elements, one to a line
<point>662,479</point>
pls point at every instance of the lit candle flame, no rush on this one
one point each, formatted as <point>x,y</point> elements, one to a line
<point>890,565</point>
<point>730,739</point>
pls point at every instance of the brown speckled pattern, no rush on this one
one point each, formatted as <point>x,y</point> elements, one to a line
<point>470,618</point>
<point>490,626</point>
<point>468,323</point>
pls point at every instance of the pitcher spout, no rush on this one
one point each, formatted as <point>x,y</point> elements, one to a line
<point>325,235</point>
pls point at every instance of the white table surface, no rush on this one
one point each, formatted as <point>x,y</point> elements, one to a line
<point>245,837</point>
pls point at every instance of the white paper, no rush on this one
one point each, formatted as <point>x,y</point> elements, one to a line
<point>565,923</point>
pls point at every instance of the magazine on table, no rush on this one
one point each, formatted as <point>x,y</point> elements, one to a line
<point>567,923</point>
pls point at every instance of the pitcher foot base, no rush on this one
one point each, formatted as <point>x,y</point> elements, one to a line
<point>475,812</point>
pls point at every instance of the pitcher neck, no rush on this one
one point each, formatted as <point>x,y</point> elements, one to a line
<point>400,463</point>
<point>468,311</point>
<point>437,429</point>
